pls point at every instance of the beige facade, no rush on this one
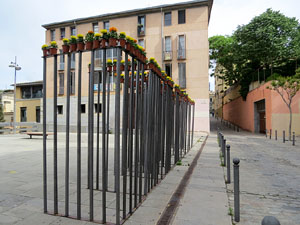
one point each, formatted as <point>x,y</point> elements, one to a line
<point>28,101</point>
<point>194,32</point>
<point>7,101</point>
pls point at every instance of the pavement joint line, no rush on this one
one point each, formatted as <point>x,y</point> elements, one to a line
<point>168,214</point>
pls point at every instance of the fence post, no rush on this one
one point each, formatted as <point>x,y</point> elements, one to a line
<point>228,164</point>
<point>270,133</point>
<point>236,189</point>
<point>283,136</point>
<point>270,220</point>
<point>276,135</point>
<point>266,133</point>
<point>224,152</point>
<point>293,138</point>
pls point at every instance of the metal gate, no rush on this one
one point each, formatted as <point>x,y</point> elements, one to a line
<point>152,133</point>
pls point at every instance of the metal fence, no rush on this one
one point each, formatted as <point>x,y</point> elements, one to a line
<point>152,133</point>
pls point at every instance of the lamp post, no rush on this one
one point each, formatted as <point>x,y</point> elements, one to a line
<point>16,67</point>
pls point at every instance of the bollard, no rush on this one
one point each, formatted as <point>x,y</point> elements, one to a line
<point>293,138</point>
<point>228,164</point>
<point>238,129</point>
<point>283,136</point>
<point>270,133</point>
<point>270,220</point>
<point>236,189</point>
<point>266,133</point>
<point>276,135</point>
<point>224,152</point>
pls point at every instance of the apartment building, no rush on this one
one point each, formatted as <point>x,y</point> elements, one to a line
<point>176,35</point>
<point>7,102</point>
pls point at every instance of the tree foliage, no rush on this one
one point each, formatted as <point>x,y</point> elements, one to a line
<point>269,43</point>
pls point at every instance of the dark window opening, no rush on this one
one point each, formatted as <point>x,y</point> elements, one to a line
<point>38,114</point>
<point>60,109</point>
<point>82,108</point>
<point>98,108</point>
<point>181,16</point>
<point>23,114</point>
<point>168,69</point>
<point>62,33</point>
<point>168,19</point>
<point>141,25</point>
<point>106,25</point>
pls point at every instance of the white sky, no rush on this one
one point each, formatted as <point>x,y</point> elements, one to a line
<point>23,36</point>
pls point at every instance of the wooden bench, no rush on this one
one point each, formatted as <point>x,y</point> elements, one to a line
<point>36,134</point>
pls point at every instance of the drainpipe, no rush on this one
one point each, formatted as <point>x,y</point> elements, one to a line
<point>162,39</point>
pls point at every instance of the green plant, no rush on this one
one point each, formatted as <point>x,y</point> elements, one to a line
<point>179,163</point>
<point>89,36</point>
<point>66,41</point>
<point>53,44</point>
<point>123,62</point>
<point>73,40</point>
<point>113,32</point>
<point>80,38</point>
<point>45,46</point>
<point>115,62</point>
<point>230,211</point>
<point>97,36</point>
<point>109,62</point>
<point>104,34</point>
<point>122,35</point>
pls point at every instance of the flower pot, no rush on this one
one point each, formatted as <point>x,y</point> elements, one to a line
<point>65,48</point>
<point>103,43</point>
<point>112,42</point>
<point>73,47</point>
<point>109,68</point>
<point>122,80</point>
<point>89,45</point>
<point>45,52</point>
<point>129,67</point>
<point>122,43</point>
<point>122,67</point>
<point>53,51</point>
<point>151,66</point>
<point>96,44</point>
<point>127,46</point>
<point>80,46</point>
<point>114,68</point>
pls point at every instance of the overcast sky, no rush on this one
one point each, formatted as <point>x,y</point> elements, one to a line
<point>22,34</point>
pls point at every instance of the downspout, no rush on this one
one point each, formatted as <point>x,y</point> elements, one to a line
<point>162,39</point>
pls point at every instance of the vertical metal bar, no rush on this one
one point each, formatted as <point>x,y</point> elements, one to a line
<point>55,134</point>
<point>293,138</point>
<point>107,128</point>
<point>283,136</point>
<point>276,135</point>
<point>124,134</point>
<point>189,126</point>
<point>162,134</point>
<point>176,158</point>
<point>79,138</point>
<point>270,133</point>
<point>228,164</point>
<point>117,136</point>
<point>130,141</point>
<point>136,114</point>
<point>98,134</point>
<point>141,124</point>
<point>91,136</point>
<point>236,189</point>
<point>104,172</point>
<point>193,121</point>
<point>44,133</point>
<point>67,138</point>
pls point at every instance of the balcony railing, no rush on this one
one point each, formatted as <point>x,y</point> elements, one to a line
<point>181,54</point>
<point>167,55</point>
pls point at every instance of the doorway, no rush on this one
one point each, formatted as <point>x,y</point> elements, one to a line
<point>260,116</point>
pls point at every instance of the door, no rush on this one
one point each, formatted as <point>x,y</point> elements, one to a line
<point>262,122</point>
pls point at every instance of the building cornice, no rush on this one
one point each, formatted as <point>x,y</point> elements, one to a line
<point>134,12</point>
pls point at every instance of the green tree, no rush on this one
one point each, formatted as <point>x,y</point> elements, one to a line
<point>287,88</point>
<point>268,44</point>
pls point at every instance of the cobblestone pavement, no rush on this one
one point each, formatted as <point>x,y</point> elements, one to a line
<point>269,176</point>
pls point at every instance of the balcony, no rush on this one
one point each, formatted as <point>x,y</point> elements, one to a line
<point>141,30</point>
<point>167,55</point>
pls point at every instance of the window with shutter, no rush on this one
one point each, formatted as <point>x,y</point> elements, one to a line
<point>61,61</point>
<point>95,27</point>
<point>182,75</point>
<point>168,48</point>
<point>72,83</point>
<point>62,33</point>
<point>106,25</point>
<point>73,31</point>
<point>181,47</point>
<point>52,35</point>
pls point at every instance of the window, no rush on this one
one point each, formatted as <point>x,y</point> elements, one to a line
<point>182,75</point>
<point>141,25</point>
<point>23,114</point>
<point>82,108</point>
<point>52,32</point>
<point>181,16</point>
<point>72,82</point>
<point>60,109</point>
<point>26,92</point>
<point>37,114</point>
<point>168,69</point>
<point>98,59</point>
<point>141,42</point>
<point>111,53</point>
<point>168,19</point>
<point>62,33</point>
<point>106,25</point>
<point>181,47</point>
<point>73,31</point>
<point>168,48</point>
<point>73,61</point>
<point>37,91</point>
<point>61,61</point>
<point>95,27</point>
<point>98,108</point>
<point>61,83</point>
<point>97,79</point>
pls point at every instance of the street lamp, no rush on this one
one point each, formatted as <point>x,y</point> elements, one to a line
<point>17,67</point>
